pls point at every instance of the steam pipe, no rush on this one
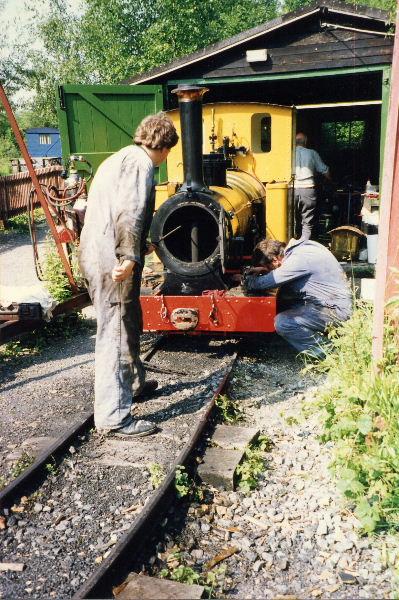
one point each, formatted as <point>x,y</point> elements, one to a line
<point>190,105</point>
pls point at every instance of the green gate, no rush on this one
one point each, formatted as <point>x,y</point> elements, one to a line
<point>98,120</point>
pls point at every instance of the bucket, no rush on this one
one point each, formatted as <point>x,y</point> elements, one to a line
<point>372,245</point>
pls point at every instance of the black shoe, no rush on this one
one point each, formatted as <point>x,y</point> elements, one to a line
<point>147,390</point>
<point>137,429</point>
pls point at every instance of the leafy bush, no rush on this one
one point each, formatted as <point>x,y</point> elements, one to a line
<point>361,411</point>
<point>20,223</point>
<point>55,278</point>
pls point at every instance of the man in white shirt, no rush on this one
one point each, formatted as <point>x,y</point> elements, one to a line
<point>307,163</point>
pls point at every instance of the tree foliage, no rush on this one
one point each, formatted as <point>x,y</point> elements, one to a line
<point>112,40</point>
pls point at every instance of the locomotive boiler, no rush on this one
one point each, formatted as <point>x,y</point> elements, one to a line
<point>210,226</point>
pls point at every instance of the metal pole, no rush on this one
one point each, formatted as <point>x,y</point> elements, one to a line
<point>38,189</point>
<point>388,240</point>
<point>194,243</point>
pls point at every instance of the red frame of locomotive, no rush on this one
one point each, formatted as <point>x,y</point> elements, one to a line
<point>217,313</point>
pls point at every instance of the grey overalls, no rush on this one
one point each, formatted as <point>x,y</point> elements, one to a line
<point>117,221</point>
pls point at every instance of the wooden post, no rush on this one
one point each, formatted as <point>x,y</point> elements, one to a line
<point>387,283</point>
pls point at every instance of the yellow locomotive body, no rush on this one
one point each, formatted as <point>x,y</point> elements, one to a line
<point>262,136</point>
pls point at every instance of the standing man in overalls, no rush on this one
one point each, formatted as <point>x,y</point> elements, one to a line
<point>307,164</point>
<point>111,256</point>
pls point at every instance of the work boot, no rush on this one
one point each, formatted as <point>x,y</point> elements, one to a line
<point>138,428</point>
<point>147,390</point>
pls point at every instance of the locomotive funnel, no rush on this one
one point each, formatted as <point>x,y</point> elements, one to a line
<point>190,105</point>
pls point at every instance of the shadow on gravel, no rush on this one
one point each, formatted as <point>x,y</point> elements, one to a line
<point>184,406</point>
<point>57,349</point>
<point>45,375</point>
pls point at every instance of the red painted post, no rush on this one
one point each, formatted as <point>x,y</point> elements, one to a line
<point>387,283</point>
<point>38,189</point>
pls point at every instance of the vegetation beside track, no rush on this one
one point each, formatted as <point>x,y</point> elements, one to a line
<point>33,343</point>
<point>360,412</point>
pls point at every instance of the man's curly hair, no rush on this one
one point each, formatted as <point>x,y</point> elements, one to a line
<point>156,132</point>
<point>266,250</point>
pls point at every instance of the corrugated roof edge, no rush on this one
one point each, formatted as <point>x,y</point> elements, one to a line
<point>338,6</point>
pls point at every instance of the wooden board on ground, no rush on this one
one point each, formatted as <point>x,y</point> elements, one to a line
<point>232,437</point>
<point>219,467</point>
<point>142,587</point>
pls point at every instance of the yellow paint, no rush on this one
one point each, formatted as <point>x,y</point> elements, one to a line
<point>241,123</point>
<point>277,211</point>
<point>163,191</point>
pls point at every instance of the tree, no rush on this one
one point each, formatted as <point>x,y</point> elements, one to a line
<point>184,26</point>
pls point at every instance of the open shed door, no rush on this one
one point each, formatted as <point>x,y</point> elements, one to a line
<point>98,120</point>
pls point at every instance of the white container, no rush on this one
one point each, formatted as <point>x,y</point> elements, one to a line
<point>367,289</point>
<point>372,245</point>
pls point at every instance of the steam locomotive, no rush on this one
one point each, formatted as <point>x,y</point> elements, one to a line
<point>228,186</point>
<point>207,229</point>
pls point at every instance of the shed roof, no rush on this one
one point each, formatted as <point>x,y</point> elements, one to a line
<point>377,20</point>
<point>42,130</point>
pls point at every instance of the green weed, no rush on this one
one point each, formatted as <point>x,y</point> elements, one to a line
<point>229,410</point>
<point>185,486</point>
<point>253,464</point>
<point>22,464</point>
<point>157,474</point>
<point>52,468</point>
<point>183,483</point>
<point>211,580</point>
<point>360,413</point>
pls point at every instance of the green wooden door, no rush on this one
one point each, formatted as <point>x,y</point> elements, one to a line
<point>98,120</point>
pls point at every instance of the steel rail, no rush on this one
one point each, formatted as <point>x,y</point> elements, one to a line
<point>33,476</point>
<point>117,565</point>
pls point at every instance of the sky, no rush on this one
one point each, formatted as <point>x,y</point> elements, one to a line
<point>15,16</point>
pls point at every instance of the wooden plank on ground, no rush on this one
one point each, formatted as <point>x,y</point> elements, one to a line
<point>142,587</point>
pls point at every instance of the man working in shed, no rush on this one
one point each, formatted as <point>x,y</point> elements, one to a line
<point>313,287</point>
<point>111,257</point>
<point>307,163</point>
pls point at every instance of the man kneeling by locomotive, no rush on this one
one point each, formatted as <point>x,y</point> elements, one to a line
<point>111,256</point>
<point>314,290</point>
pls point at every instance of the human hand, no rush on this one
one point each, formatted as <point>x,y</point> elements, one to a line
<point>122,271</point>
<point>237,277</point>
<point>150,249</point>
<point>257,270</point>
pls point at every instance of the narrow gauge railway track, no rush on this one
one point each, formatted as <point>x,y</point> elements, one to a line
<point>76,532</point>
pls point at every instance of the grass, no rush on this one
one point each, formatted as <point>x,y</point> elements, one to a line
<point>360,411</point>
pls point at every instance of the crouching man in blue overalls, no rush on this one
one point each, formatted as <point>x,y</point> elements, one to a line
<point>313,290</point>
<point>111,256</point>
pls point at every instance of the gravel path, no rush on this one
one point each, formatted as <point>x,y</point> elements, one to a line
<point>69,525</point>
<point>295,538</point>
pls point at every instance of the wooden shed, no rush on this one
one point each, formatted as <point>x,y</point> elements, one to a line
<point>331,60</point>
